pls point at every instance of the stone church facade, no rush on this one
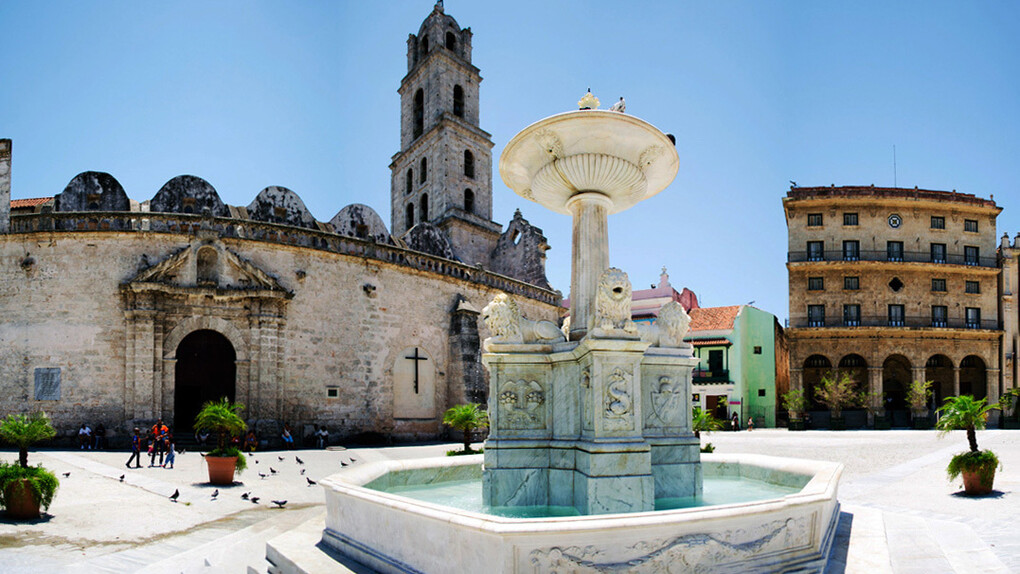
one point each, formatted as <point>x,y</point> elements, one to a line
<point>121,311</point>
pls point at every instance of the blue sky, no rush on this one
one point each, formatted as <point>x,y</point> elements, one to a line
<point>303,95</point>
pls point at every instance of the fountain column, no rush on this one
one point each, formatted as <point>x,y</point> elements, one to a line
<point>590,256</point>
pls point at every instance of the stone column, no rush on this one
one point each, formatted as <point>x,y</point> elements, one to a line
<point>590,257</point>
<point>956,381</point>
<point>5,185</point>
<point>796,379</point>
<point>875,390</point>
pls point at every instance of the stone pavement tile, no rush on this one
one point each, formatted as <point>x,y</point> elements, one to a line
<point>912,548</point>
<point>293,551</point>
<point>868,549</point>
<point>966,552</point>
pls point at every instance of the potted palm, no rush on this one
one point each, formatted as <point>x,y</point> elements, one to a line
<point>977,466</point>
<point>221,417</point>
<point>703,421</point>
<point>796,405</point>
<point>466,418</point>
<point>23,488</point>
<point>838,391</point>
<point>918,395</point>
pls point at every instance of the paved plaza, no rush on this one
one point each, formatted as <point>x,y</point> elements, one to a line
<point>900,514</point>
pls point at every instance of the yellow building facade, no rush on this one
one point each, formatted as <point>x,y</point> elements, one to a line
<point>893,285</point>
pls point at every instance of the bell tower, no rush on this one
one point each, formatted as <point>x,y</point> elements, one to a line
<point>443,172</point>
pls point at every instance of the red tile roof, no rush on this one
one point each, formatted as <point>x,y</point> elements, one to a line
<point>21,203</point>
<point>713,318</point>
<point>708,342</point>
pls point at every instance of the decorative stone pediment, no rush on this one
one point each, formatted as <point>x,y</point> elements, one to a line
<point>207,268</point>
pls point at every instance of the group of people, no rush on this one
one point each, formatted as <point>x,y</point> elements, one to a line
<point>735,423</point>
<point>158,441</point>
<point>92,440</point>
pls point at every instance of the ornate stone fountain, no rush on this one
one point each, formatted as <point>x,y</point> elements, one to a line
<point>597,419</point>
<point>601,421</point>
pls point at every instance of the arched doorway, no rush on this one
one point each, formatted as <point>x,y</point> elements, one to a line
<point>815,367</point>
<point>973,377</point>
<point>205,371</point>
<point>895,382</point>
<point>857,367</point>
<point>939,370</point>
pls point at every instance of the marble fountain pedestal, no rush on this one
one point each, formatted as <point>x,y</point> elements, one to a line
<point>596,417</point>
<point>601,421</point>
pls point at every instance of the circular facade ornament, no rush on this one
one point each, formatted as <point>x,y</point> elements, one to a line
<point>895,221</point>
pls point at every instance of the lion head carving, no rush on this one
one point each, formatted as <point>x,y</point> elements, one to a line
<point>503,319</point>
<point>674,323</point>
<point>612,302</point>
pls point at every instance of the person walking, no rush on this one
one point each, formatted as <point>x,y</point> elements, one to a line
<point>99,441</point>
<point>750,424</point>
<point>170,453</point>
<point>136,450</point>
<point>735,422</point>
<point>158,434</point>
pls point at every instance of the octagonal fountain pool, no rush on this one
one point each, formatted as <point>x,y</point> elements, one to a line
<point>756,513</point>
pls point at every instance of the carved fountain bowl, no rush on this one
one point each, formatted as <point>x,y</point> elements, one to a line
<point>620,156</point>
<point>393,533</point>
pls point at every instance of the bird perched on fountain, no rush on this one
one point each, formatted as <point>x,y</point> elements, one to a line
<point>620,106</point>
<point>279,503</point>
<point>174,496</point>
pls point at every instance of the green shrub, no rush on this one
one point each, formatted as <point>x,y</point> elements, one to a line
<point>242,461</point>
<point>703,421</point>
<point>708,448</point>
<point>463,452</point>
<point>984,462</point>
<point>795,403</point>
<point>42,482</point>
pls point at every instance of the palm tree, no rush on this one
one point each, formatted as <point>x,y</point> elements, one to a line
<point>704,421</point>
<point>23,431</point>
<point>466,418</point>
<point>964,413</point>
<point>223,418</point>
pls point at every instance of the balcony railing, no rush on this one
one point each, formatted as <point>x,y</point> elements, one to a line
<point>716,376</point>
<point>919,322</point>
<point>906,256</point>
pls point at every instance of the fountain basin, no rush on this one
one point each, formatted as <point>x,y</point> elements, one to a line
<point>393,533</point>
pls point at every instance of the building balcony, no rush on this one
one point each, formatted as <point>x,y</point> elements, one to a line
<point>716,376</point>
<point>885,256</point>
<point>885,321</point>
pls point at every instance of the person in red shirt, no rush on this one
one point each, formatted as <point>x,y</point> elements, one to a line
<point>159,432</point>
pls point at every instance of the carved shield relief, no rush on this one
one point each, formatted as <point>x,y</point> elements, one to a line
<point>521,405</point>
<point>667,400</point>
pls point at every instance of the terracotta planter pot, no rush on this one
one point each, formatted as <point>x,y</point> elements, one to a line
<point>221,469</point>
<point>21,502</point>
<point>972,484</point>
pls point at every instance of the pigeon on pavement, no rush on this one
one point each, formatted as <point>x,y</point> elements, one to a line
<point>174,496</point>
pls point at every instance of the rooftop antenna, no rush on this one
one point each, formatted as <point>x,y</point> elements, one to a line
<point>894,166</point>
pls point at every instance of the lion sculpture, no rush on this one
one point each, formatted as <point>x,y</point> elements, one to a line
<point>507,326</point>
<point>612,305</point>
<point>669,329</point>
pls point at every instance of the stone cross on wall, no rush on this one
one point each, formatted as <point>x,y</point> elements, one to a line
<point>416,358</point>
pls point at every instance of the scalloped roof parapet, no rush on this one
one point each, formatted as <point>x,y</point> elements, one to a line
<point>175,194</point>
<point>92,191</point>
<point>276,204</point>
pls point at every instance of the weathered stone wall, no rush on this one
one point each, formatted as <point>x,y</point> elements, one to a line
<point>5,185</point>
<point>520,252</point>
<point>348,321</point>
<point>92,191</point>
